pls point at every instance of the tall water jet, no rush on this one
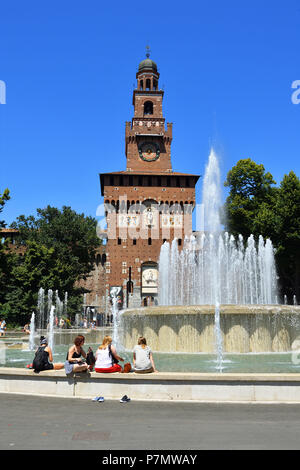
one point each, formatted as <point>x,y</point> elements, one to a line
<point>50,296</point>
<point>32,332</point>
<point>211,194</point>
<point>66,304</point>
<point>116,313</point>
<point>212,202</point>
<point>51,328</point>
<point>41,308</point>
<point>59,306</point>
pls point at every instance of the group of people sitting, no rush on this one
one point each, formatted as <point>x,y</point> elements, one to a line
<point>105,360</point>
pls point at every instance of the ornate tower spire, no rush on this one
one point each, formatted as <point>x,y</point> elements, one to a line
<point>148,141</point>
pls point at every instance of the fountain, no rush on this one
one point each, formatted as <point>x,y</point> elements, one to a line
<point>217,294</point>
<point>218,307</point>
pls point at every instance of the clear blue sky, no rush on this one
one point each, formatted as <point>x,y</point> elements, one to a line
<point>69,68</point>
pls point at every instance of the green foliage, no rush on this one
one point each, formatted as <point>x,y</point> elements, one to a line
<point>255,207</point>
<point>3,198</point>
<point>250,187</point>
<point>288,240</point>
<point>60,249</point>
<point>6,259</point>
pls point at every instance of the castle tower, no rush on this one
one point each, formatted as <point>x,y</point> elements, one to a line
<point>148,203</point>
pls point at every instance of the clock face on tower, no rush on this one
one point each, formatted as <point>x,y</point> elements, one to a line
<point>149,151</point>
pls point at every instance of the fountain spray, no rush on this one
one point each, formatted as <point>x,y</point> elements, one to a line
<point>32,332</point>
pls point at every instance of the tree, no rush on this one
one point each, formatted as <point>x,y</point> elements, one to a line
<point>60,250</point>
<point>3,198</point>
<point>250,187</point>
<point>5,257</point>
<point>288,240</point>
<point>255,207</point>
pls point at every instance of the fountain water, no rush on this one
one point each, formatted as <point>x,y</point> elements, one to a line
<point>43,317</point>
<point>50,297</point>
<point>116,313</point>
<point>212,269</point>
<point>51,328</point>
<point>219,338</point>
<point>41,308</point>
<point>32,332</point>
<point>66,304</point>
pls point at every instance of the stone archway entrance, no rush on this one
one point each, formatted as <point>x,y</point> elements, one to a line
<point>149,301</point>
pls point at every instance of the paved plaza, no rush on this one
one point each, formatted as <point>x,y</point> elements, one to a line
<point>29,422</point>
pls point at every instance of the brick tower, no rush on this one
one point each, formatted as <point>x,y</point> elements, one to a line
<point>146,204</point>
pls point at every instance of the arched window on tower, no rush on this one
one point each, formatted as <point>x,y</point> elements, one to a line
<point>148,107</point>
<point>141,85</point>
<point>148,84</point>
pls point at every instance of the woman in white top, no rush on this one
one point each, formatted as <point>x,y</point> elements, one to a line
<point>107,358</point>
<point>143,362</point>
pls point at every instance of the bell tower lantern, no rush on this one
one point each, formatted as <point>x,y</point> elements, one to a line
<point>147,75</point>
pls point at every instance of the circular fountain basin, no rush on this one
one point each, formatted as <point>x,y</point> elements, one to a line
<point>191,329</point>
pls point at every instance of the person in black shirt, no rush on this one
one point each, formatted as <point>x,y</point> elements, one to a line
<point>43,359</point>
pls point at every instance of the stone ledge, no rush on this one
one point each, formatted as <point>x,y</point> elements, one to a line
<point>155,377</point>
<point>160,386</point>
<point>225,309</point>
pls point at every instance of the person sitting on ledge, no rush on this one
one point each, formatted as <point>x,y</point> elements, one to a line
<point>74,361</point>
<point>107,358</point>
<point>143,362</point>
<point>43,359</point>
